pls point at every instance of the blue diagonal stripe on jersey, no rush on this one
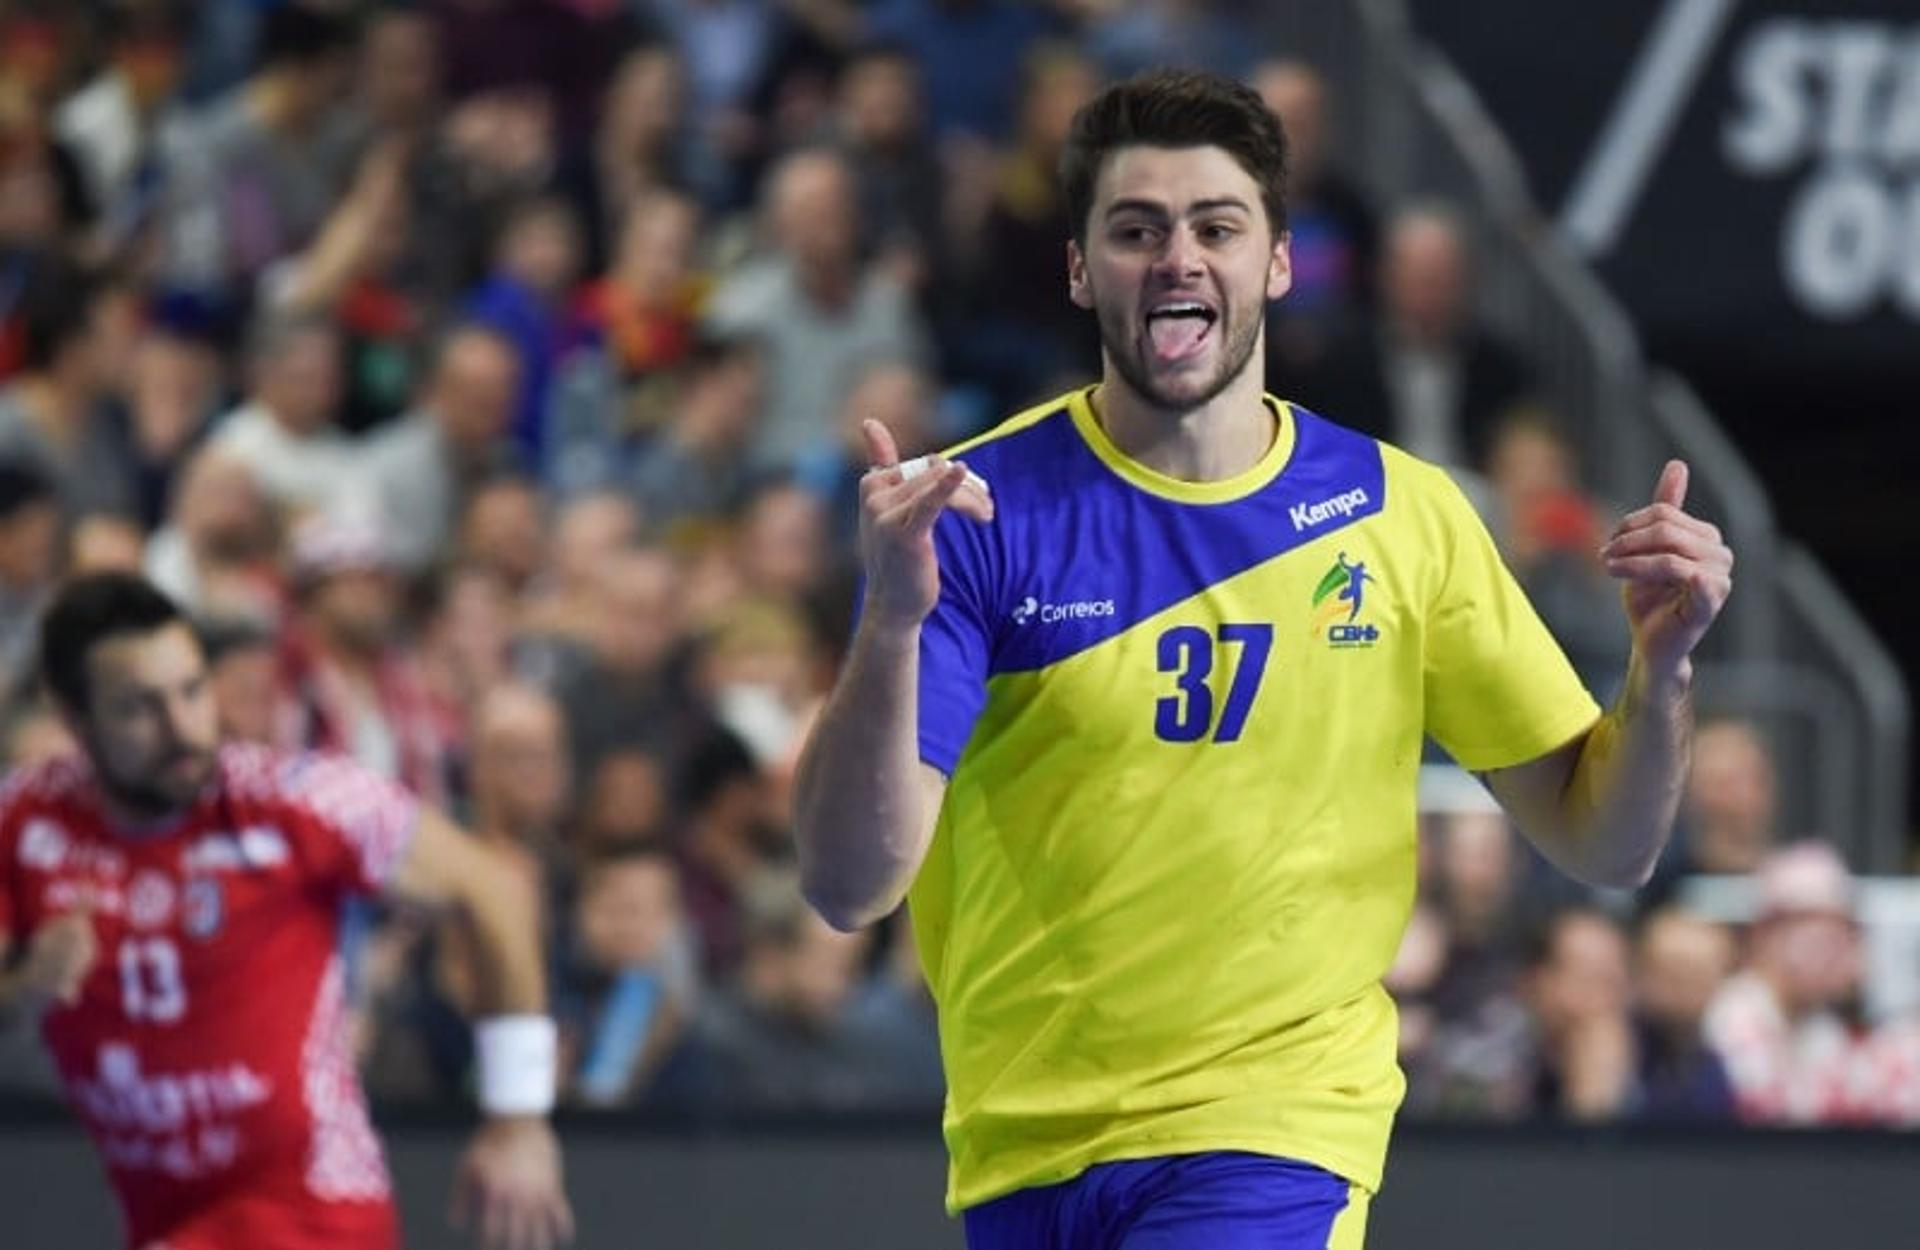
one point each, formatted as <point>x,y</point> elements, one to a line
<point>1070,531</point>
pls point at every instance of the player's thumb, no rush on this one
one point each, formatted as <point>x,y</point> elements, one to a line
<point>882,451</point>
<point>1672,487</point>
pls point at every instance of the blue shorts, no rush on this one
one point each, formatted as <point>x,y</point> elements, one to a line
<point>1224,1200</point>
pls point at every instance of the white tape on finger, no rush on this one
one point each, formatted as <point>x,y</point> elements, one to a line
<point>910,469</point>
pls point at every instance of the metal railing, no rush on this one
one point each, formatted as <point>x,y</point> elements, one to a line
<point>1790,652</point>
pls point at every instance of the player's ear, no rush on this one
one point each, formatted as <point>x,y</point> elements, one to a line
<point>1077,289</point>
<point>1280,266</point>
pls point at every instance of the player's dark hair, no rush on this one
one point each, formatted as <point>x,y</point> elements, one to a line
<point>88,611</point>
<point>1175,109</point>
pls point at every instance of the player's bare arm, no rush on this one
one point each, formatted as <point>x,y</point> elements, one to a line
<point>509,1185</point>
<point>865,805</point>
<point>51,969</point>
<point>1602,806</point>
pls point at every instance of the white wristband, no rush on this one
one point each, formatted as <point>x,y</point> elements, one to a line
<point>519,1064</point>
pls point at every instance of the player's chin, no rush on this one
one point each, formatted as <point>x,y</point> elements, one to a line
<point>182,779</point>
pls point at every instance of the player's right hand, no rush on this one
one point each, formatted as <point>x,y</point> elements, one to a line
<point>59,955</point>
<point>896,527</point>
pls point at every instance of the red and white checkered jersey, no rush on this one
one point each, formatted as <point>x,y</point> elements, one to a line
<point>208,1050</point>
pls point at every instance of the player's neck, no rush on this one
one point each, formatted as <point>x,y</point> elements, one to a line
<point>136,819</point>
<point>1220,439</point>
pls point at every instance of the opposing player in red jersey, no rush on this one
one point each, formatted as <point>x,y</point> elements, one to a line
<point>171,905</point>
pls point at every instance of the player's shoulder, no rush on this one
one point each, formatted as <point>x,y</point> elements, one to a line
<point>254,772</point>
<point>44,783</point>
<point>1412,485</point>
<point>1019,439</point>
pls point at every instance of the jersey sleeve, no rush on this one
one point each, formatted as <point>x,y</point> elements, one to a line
<point>356,825</point>
<point>956,642</point>
<point>1499,690</point>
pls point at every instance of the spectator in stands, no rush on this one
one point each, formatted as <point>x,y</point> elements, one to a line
<point>782,544</point>
<point>44,205</point>
<point>821,310</point>
<point>563,609</point>
<point>1427,377</point>
<point>1550,532</point>
<point>625,982</point>
<point>397,86</point>
<point>285,432</point>
<point>970,52</point>
<point>724,842</point>
<point>783,1034</point>
<point>167,401</point>
<point>54,412</point>
<point>113,125</point>
<point>356,272</point>
<point>1579,989</point>
<point>1461,964</point>
<point>638,324</point>
<point>504,531</point>
<point>29,566</point>
<point>1729,811</point>
<point>617,691</point>
<point>353,683</point>
<point>1788,1026</point>
<point>537,257</point>
<point>1680,962</point>
<point>103,542</point>
<point>640,148</point>
<point>421,468</point>
<point>520,789</point>
<point>693,473</point>
<point>253,175</point>
<point>243,666</point>
<point>1024,334</point>
<point>879,123</point>
<point>217,555</point>
<point>1137,35</point>
<point>628,801</point>
<point>1334,235</point>
<point>756,669</point>
<point>466,651</point>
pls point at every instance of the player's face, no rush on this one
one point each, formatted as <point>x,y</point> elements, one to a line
<point>151,725</point>
<point>1178,266</point>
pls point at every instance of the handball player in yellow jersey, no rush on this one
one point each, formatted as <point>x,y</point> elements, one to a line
<point>1133,716</point>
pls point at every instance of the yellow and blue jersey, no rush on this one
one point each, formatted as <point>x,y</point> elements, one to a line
<point>1182,724</point>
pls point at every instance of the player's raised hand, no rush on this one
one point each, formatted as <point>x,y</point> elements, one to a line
<point>59,955</point>
<point>509,1189</point>
<point>1677,573</point>
<point>898,506</point>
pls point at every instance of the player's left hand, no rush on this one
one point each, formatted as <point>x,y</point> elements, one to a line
<point>509,1186</point>
<point>1677,573</point>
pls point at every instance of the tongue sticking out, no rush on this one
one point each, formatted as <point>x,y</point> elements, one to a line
<point>1177,338</point>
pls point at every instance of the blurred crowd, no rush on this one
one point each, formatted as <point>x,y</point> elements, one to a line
<point>484,377</point>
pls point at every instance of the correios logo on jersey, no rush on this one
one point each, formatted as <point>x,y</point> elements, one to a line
<point>1032,609</point>
<point>1338,601</point>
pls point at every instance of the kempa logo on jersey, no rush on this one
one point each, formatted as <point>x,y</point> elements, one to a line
<point>1054,613</point>
<point>1344,504</point>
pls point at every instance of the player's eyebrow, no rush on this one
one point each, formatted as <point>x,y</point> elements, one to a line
<point>1154,208</point>
<point>1218,203</point>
